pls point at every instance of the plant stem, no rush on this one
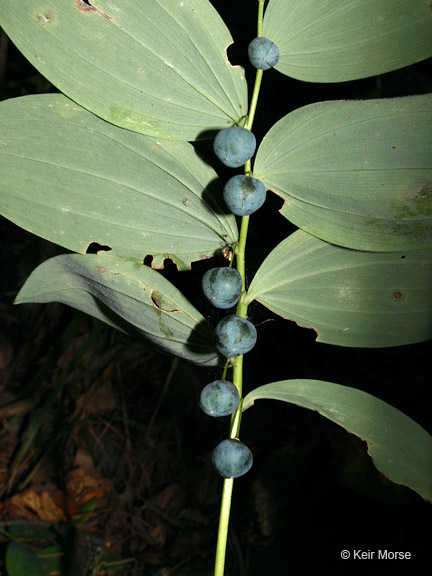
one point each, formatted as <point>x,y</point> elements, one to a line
<point>223,526</point>
<point>259,73</point>
<point>240,261</point>
<point>242,312</point>
<point>229,482</point>
<point>260,17</point>
<point>254,100</point>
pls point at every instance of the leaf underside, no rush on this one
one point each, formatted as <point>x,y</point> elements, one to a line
<point>340,40</point>
<point>74,179</point>
<point>155,67</point>
<point>126,295</point>
<point>399,447</point>
<point>350,298</point>
<point>355,173</point>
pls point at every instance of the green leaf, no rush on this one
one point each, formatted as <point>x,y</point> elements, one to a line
<point>31,532</point>
<point>357,174</point>
<point>157,67</point>
<point>74,179</point>
<point>341,40</point>
<point>400,448</point>
<point>127,295</point>
<point>51,559</point>
<point>350,298</point>
<point>20,561</point>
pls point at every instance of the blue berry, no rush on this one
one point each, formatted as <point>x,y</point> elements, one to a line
<point>263,54</point>
<point>234,146</point>
<point>231,458</point>
<point>244,195</point>
<point>222,286</point>
<point>219,398</point>
<point>235,336</point>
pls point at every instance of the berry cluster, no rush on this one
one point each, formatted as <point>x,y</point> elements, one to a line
<point>234,335</point>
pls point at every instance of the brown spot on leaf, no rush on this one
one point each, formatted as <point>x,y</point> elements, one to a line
<point>398,295</point>
<point>101,269</point>
<point>46,18</point>
<point>420,192</point>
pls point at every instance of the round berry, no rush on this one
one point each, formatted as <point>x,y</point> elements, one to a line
<point>222,286</point>
<point>244,195</point>
<point>263,54</point>
<point>234,146</point>
<point>219,398</point>
<point>231,458</point>
<point>235,336</point>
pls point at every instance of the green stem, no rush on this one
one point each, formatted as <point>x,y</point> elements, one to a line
<point>254,99</point>
<point>260,17</point>
<point>223,526</point>
<point>241,311</point>
<point>259,73</point>
<point>228,482</point>
<point>240,260</point>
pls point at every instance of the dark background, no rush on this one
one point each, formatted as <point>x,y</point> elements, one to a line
<point>312,491</point>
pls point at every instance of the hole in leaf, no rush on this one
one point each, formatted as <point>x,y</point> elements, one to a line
<point>235,54</point>
<point>155,300</point>
<point>94,248</point>
<point>148,260</point>
<point>85,6</point>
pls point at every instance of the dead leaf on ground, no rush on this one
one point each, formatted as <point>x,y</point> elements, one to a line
<point>82,487</point>
<point>35,506</point>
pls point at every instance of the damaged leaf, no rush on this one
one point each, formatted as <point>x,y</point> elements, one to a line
<point>126,295</point>
<point>400,448</point>
<point>355,173</point>
<point>157,68</point>
<point>74,179</point>
<point>36,505</point>
<point>351,298</point>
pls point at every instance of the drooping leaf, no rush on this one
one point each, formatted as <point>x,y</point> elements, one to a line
<point>355,173</point>
<point>158,67</point>
<point>127,295</point>
<point>74,179</point>
<point>400,448</point>
<point>20,561</point>
<point>350,298</point>
<point>339,40</point>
